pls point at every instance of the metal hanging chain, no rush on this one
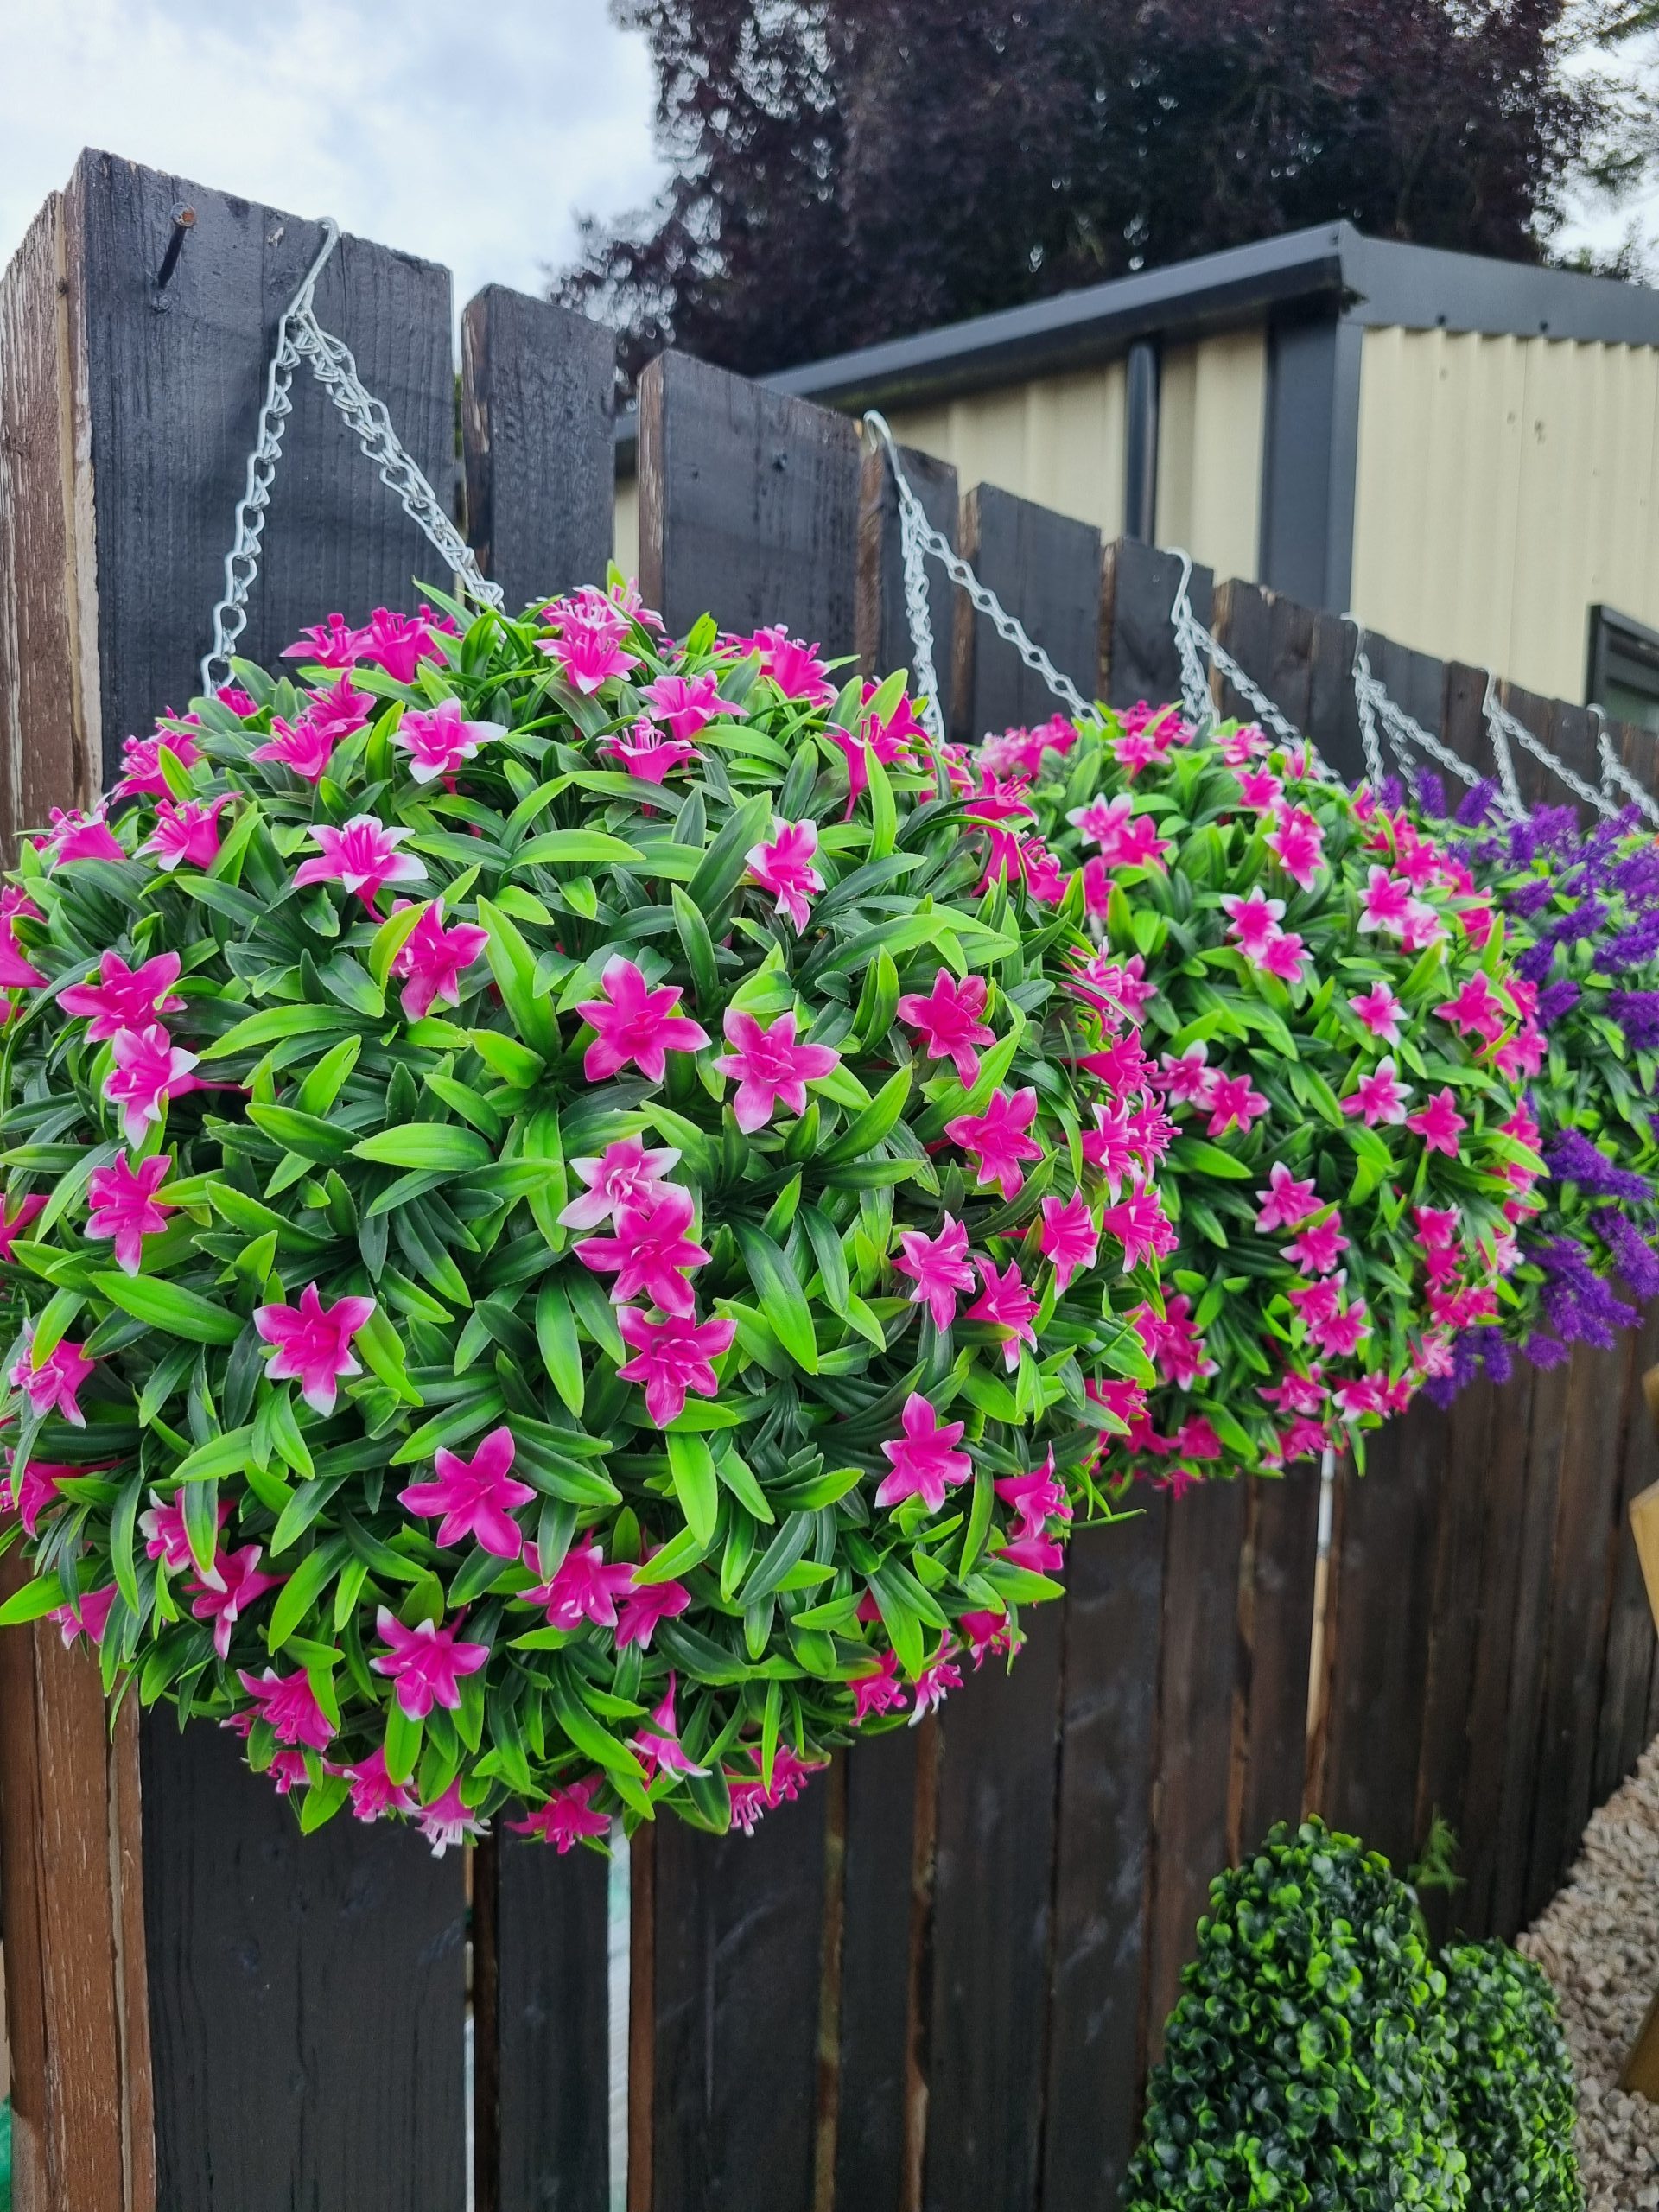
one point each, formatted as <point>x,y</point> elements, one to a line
<point>301,337</point>
<point>1502,727</point>
<point>1615,776</point>
<point>1405,735</point>
<point>1194,645</point>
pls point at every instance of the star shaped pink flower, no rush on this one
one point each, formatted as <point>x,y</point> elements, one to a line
<point>623,1174</point>
<point>149,1070</point>
<point>1477,1010</point>
<point>288,1705</point>
<point>671,1358</point>
<point>236,1581</point>
<point>650,1254</point>
<point>373,1791</point>
<point>124,1205</point>
<point>583,1587</point>
<point>923,1460</point>
<point>304,748</point>
<point>1286,1200</point>
<point>1069,1237</point>
<point>1007,1304</point>
<point>432,959</point>
<point>686,704</point>
<point>782,864</point>
<point>312,1344</point>
<point>635,1023</point>
<point>642,752</point>
<point>1380,1011</point>
<point>567,1817</point>
<point>1297,841</point>
<point>1379,1096</point>
<point>475,1498</point>
<point>643,1605</point>
<point>951,1019</point>
<point>52,1385</point>
<point>123,997</point>
<point>769,1068</point>
<point>425,1662</point>
<point>938,1267</point>
<point>185,834</point>
<point>1439,1123</point>
<point>363,857</point>
<point>999,1139</point>
<point>589,655</point>
<point>1233,1102</point>
<point>438,739</point>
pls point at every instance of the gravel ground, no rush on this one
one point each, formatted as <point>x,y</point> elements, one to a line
<point>1599,1942</point>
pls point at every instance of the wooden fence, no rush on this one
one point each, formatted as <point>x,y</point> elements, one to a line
<point>936,1980</point>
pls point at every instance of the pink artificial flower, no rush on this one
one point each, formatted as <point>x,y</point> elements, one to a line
<point>1069,1237</point>
<point>337,711</point>
<point>1379,1096</point>
<point>17,971</point>
<point>89,1614</point>
<point>431,961</point>
<point>878,1691</point>
<point>1298,844</point>
<point>1125,839</point>
<point>988,1635</point>
<point>1423,927</point>
<point>1117,988</point>
<point>1141,1226</point>
<point>1285,1201</point>
<point>933,1685</point>
<point>584,1588</point>
<point>1285,957</point>
<point>185,831</point>
<point>304,748</point>
<point>1258,787</point>
<point>1109,1147</point>
<point>313,1344</point>
<point>998,1139</point>
<point>287,1705</point>
<point>794,668</point>
<point>1477,1010</point>
<point>1522,1054</point>
<point>374,1792</point>
<point>124,1205</point>
<point>1439,1123</point>
<point>1008,1307</point>
<point>52,1384</point>
<point>235,1583</point>
<point>450,1820</point>
<point>643,1605</point>
<point>425,1662</point>
<point>589,655</point>
<point>951,1019</point>
<point>1380,1011</point>
<point>1315,1249</point>
<point>149,1070</point>
<point>937,1266</point>
<point>658,1743</point>
<point>329,643</point>
<point>1386,904</point>
<point>566,1817</point>
<point>923,1460</point>
<point>1037,1496</point>
<point>685,705</point>
<point>363,857</point>
<point>401,642</point>
<point>645,753</point>
<point>1296,1392</point>
<point>650,1254</point>
<point>1254,921</point>
<point>76,836</point>
<point>438,739</point>
<point>475,1497</point>
<point>1036,1551</point>
<point>769,1067</point>
<point>751,1797</point>
<point>1187,1079</point>
<point>142,776</point>
<point>1231,1101</point>
<point>624,1174</point>
<point>123,997</point>
<point>29,1494</point>
<point>634,1023</point>
<point>783,865</point>
<point>14,1222</point>
<point>672,1357</point>
<point>162,1528</point>
<point>1437,1226</point>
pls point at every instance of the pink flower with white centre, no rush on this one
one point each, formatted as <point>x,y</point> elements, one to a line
<point>124,1205</point>
<point>1254,921</point>
<point>880,1691</point>
<point>29,1495</point>
<point>450,1820</point>
<point>1477,1010</point>
<point>288,1705</point>
<point>1520,1055</point>
<point>686,704</point>
<point>1121,1064</point>
<point>1069,1237</point>
<point>1006,1306</point>
<point>1437,1226</point>
<point>1285,957</point>
<point>1258,787</point>
<point>769,1068</point>
<point>582,1588</point>
<point>650,1254</point>
<point>363,857</point>
<point>88,1615</point>
<point>1380,1011</point>
<point>141,775</point>
<point>149,1070</point>
<point>236,1583</point>
<point>567,1817</point>
<point>162,1528</point>
<point>337,711</point>
<point>399,643</point>
<point>933,1685</point>
<point>51,1385</point>
<point>1317,1247</point>
<point>185,833</point>
<point>938,1267</point>
<point>989,1635</point>
<point>647,1604</point>
<point>1109,1147</point>
<point>951,1019</point>
<point>312,1344</point>
<point>329,643</point>
<point>1174,1346</point>
<point>589,655</point>
<point>1141,1226</point>
<point>1151,1133</point>
<point>751,1797</point>
<point>783,865</point>
<point>425,1662</point>
<point>1036,1498</point>
<point>1297,842</point>
<point>1353,1401</point>
<point>1303,1439</point>
<point>1240,746</point>
<point>1439,1123</point>
<point>1341,1335</point>
<point>1117,989</point>
<point>77,836</point>
<point>672,1357</point>
<point>438,740</point>
<point>632,1023</point>
<point>1295,1392</point>
<point>1232,1103</point>
<point>998,1139</point>
<point>1379,1097</point>
<point>1101,820</point>
<point>373,1791</point>
<point>1423,927</point>
<point>1286,1201</point>
<point>644,754</point>
<point>622,1175</point>
<point>15,1220</point>
<point>475,1498</point>
<point>1188,1080</point>
<point>923,1459</point>
<point>304,748</point>
<point>1137,845</point>
<point>792,666</point>
<point>432,960</point>
<point>658,1743</point>
<point>1385,904</point>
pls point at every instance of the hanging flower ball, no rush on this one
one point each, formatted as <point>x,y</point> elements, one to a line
<point>1339,1041</point>
<point>554,1255</point>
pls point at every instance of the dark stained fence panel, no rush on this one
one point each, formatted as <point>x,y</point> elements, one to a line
<point>1137,644</point>
<point>1046,569</point>
<point>885,641</point>
<point>1333,715</point>
<point>1281,1577</point>
<point>876,1959</point>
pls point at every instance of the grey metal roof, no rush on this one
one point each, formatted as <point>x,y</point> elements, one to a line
<point>1363,280</point>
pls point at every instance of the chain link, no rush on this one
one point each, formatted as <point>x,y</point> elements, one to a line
<point>1502,725</point>
<point>1194,645</point>
<point>301,337</point>
<point>1615,776</point>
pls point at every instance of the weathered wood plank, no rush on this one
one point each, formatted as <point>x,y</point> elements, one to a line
<point>1332,714</point>
<point>1281,1564</point>
<point>882,620</point>
<point>1138,656</point>
<point>1621,1722</point>
<point>537,422</point>
<point>1046,569</point>
<point>872,2009</point>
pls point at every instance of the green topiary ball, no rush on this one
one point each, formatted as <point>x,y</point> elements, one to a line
<point>1309,2061</point>
<point>1512,2087</point>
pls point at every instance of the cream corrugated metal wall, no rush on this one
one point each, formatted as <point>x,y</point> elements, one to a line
<point>1504,484</point>
<point>1058,440</point>
<point>1211,400</point>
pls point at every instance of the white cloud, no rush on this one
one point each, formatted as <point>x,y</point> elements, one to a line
<point>471,136</point>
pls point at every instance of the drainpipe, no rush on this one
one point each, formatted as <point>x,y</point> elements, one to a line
<point>1141,442</point>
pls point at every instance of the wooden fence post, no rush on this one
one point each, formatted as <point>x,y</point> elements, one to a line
<point>1046,569</point>
<point>1138,656</point>
<point>881,619</point>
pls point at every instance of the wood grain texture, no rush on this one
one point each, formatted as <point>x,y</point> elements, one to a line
<point>1281,1564</point>
<point>307,1997</point>
<point>882,620</point>
<point>748,505</point>
<point>1103,1873</point>
<point>174,382</point>
<point>539,441</point>
<point>1046,569</point>
<point>873,2039</point>
<point>1137,645</point>
<point>1332,714</point>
